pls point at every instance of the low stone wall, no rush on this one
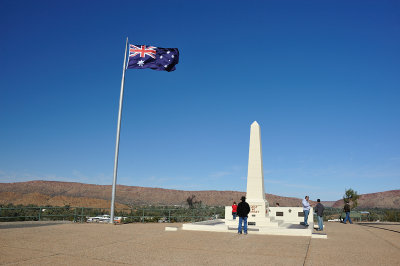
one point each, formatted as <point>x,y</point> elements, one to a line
<point>289,214</point>
<point>293,215</point>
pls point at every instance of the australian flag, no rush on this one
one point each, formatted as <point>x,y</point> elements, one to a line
<point>144,56</point>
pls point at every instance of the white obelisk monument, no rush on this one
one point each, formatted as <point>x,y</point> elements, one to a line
<point>255,179</point>
<point>262,219</point>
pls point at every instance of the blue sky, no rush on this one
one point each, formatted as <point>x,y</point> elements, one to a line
<point>320,77</point>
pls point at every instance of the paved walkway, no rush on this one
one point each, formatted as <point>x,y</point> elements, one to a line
<point>53,243</point>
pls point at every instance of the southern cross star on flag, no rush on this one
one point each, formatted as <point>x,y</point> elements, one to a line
<point>157,58</point>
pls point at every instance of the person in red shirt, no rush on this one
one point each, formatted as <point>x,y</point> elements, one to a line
<point>234,210</point>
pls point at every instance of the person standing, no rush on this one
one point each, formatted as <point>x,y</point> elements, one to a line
<point>234,210</point>
<point>347,211</point>
<point>243,210</point>
<point>306,210</point>
<point>319,209</point>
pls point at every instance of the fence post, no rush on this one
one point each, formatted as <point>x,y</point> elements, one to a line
<point>142,215</point>
<point>169,216</point>
<point>82,215</point>
<point>76,209</point>
<point>40,212</point>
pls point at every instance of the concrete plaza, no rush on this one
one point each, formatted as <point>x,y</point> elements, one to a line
<point>55,243</point>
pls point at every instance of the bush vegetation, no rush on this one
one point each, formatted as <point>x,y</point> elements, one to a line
<point>196,212</point>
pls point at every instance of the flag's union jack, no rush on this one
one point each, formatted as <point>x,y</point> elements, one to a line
<point>142,51</point>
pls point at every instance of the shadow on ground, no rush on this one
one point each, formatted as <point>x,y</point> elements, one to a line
<point>28,224</point>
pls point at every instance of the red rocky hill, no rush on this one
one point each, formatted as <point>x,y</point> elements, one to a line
<point>87,195</point>
<point>78,194</point>
<point>386,199</point>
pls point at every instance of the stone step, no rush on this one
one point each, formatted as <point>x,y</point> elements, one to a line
<point>283,228</point>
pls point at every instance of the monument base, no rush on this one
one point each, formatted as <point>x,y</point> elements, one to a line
<point>219,225</point>
<point>280,221</point>
<point>290,215</point>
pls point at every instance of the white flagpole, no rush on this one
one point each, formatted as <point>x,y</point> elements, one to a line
<point>121,97</point>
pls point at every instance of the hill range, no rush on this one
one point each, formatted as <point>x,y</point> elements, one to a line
<point>55,193</point>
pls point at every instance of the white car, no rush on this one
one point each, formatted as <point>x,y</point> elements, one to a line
<point>99,219</point>
<point>104,218</point>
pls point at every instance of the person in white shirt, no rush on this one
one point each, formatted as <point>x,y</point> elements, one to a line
<point>306,209</point>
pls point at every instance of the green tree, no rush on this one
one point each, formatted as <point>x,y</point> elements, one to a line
<point>190,201</point>
<point>351,196</point>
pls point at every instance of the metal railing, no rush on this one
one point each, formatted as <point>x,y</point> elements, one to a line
<point>81,214</point>
<point>160,214</point>
<point>364,215</point>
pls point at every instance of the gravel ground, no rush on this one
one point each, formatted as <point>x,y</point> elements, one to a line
<point>53,243</point>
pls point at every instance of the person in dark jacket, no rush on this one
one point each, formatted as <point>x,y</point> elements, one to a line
<point>347,211</point>
<point>319,210</point>
<point>243,210</point>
